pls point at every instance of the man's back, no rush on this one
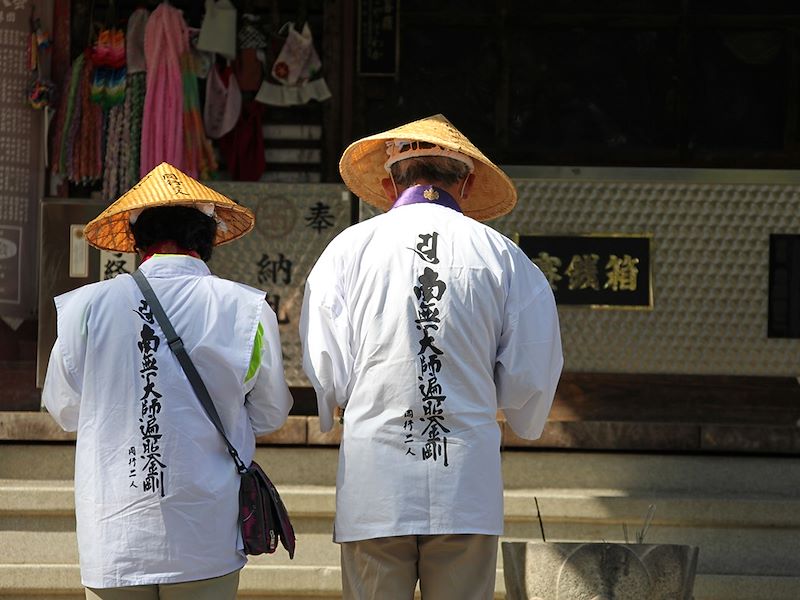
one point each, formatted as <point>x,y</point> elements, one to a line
<point>419,308</point>
<point>151,470</point>
<point>422,323</point>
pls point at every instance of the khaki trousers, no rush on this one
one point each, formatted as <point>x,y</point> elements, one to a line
<point>216,588</point>
<point>448,567</point>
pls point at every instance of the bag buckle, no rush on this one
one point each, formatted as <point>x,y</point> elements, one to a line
<point>176,344</point>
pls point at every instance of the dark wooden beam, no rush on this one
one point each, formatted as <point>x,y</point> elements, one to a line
<point>705,399</point>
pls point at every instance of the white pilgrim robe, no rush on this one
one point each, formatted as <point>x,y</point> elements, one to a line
<point>422,348</point>
<point>156,492</point>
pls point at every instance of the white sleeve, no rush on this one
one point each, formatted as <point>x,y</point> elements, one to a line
<point>61,394</point>
<point>325,335</point>
<point>529,362</point>
<point>268,400</point>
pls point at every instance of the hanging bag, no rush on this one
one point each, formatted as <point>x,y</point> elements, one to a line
<point>263,520</point>
<point>223,102</point>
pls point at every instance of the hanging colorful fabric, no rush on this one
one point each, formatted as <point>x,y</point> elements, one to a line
<point>172,127</point>
<point>40,89</point>
<point>134,97</point>
<point>87,137</point>
<point>162,124</point>
<point>134,100</point>
<point>109,90</point>
<point>198,152</point>
<point>78,141</point>
<point>108,57</point>
<point>65,116</point>
<point>40,93</point>
<point>114,147</point>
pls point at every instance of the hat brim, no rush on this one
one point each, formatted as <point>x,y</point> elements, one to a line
<point>113,233</point>
<point>165,186</point>
<point>492,195</point>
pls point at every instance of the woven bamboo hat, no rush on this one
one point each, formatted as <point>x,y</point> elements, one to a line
<point>362,167</point>
<point>166,186</point>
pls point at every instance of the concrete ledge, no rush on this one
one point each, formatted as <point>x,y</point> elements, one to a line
<point>31,426</point>
<point>298,583</point>
<point>629,474</point>
<point>670,510</point>
<point>602,435</point>
<point>36,497</point>
<point>608,506</point>
<point>294,431</point>
<point>317,438</point>
<point>586,435</point>
<point>308,580</point>
<point>40,427</point>
<point>39,579</point>
<point>734,587</point>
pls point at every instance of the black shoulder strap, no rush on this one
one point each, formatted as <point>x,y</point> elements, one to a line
<point>176,345</point>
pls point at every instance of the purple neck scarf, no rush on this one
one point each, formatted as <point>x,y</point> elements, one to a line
<point>426,194</point>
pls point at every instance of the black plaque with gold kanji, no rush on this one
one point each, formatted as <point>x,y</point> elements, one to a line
<point>609,271</point>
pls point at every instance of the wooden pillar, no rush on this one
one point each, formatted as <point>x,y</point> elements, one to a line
<point>338,61</point>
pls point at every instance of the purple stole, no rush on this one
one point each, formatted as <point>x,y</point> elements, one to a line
<point>426,194</point>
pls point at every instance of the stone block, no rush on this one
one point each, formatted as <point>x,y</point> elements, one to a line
<point>610,435</point>
<point>31,426</point>
<point>732,438</point>
<point>598,571</point>
<point>292,432</point>
<point>317,438</point>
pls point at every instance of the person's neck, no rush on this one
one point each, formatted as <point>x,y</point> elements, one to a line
<point>166,247</point>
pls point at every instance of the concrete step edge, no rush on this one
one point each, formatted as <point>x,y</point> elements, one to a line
<point>34,498</point>
<point>746,587</point>
<point>760,551</point>
<point>635,472</point>
<point>282,581</point>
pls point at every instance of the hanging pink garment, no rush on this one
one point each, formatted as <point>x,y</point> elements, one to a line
<point>166,39</point>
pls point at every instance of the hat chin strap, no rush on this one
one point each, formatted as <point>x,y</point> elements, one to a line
<point>463,187</point>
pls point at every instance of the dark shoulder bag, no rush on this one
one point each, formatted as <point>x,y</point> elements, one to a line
<point>263,519</point>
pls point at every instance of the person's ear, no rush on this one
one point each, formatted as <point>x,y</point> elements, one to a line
<point>389,189</point>
<point>467,185</point>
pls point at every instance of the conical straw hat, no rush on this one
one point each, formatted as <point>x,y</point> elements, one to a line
<point>165,186</point>
<point>362,168</point>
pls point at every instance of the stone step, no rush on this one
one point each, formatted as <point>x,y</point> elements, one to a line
<point>750,476</point>
<point>765,531</point>
<point>722,551</point>
<point>271,582</point>
<point>743,513</point>
<point>55,497</point>
<point>735,475</point>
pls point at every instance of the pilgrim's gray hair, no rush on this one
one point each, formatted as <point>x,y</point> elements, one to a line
<point>433,169</point>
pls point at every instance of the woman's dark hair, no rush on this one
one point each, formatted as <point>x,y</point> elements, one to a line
<point>189,228</point>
